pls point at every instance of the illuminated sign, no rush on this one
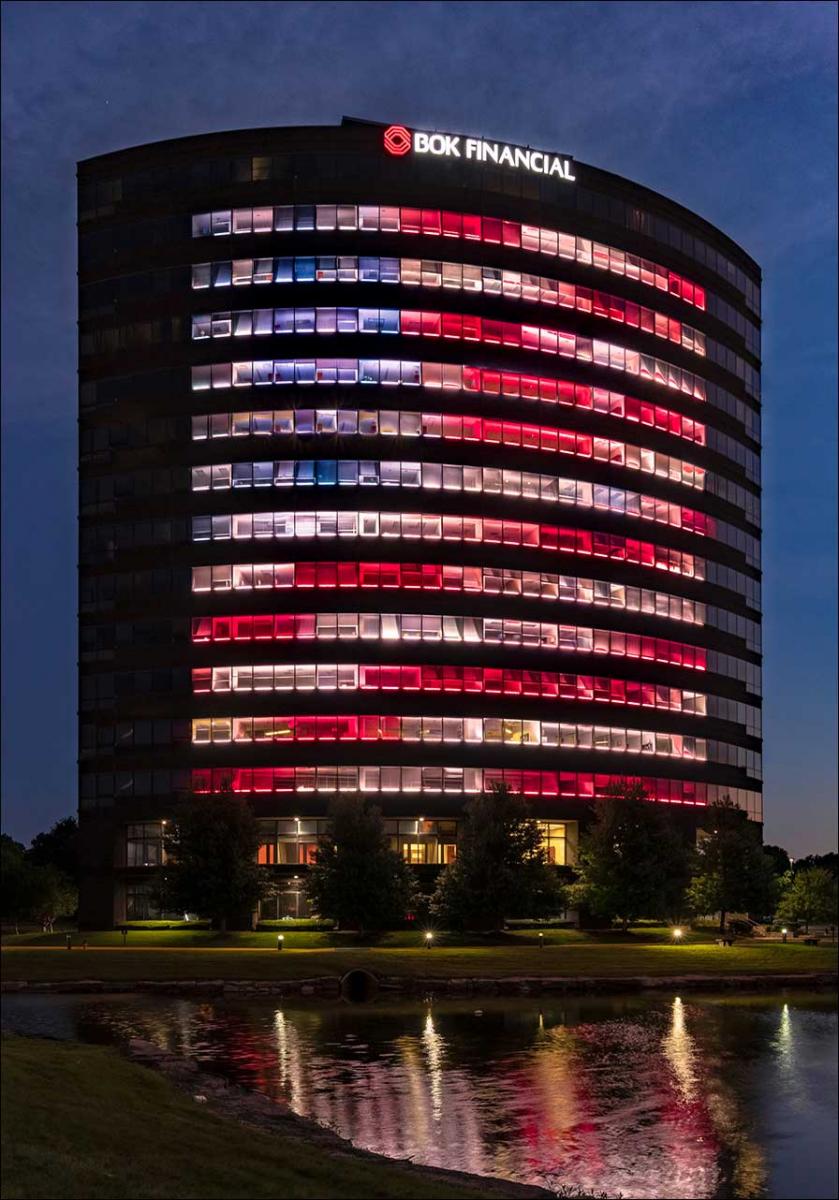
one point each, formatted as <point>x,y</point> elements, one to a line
<point>398,141</point>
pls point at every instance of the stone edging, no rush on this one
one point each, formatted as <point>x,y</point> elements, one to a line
<point>329,986</point>
<point>258,1110</point>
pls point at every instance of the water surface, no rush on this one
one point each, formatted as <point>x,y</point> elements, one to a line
<point>643,1096</point>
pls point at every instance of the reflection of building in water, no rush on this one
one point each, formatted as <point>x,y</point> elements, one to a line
<point>709,1114</point>
<point>619,1105</point>
<point>553,1118</point>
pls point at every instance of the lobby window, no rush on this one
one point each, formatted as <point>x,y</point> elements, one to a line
<point>559,839</point>
<point>141,903</point>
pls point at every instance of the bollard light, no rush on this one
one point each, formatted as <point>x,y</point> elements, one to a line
<point>783,935</point>
<point>429,938</point>
<point>280,940</point>
<point>541,941</point>
<point>678,934</point>
<point>69,942</point>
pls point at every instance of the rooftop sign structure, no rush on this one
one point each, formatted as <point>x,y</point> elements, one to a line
<point>399,141</point>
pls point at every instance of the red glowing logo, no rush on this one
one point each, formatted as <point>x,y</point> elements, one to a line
<point>397,140</point>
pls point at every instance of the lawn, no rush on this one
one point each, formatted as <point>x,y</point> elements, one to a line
<point>174,954</point>
<point>80,1121</point>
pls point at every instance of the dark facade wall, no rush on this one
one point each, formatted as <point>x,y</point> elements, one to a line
<point>159,449</point>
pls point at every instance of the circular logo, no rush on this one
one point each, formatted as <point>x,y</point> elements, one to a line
<point>397,140</point>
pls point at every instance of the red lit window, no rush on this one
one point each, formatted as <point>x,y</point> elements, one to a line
<point>431,221</point>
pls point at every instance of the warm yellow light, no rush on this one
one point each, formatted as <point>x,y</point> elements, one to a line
<point>677,933</point>
<point>429,936</point>
<point>784,931</point>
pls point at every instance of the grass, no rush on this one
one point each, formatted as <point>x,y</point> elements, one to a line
<point>80,1121</point>
<point>197,954</point>
<point>302,938</point>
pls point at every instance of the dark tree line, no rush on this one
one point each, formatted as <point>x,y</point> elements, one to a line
<point>40,883</point>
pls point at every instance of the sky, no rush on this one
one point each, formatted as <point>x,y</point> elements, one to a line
<point>729,109</point>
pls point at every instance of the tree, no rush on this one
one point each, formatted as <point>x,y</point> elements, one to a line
<point>58,847</point>
<point>211,847</point>
<point>633,862</point>
<point>732,872</point>
<point>15,881</point>
<point>781,861</point>
<point>830,862</point>
<point>501,869</point>
<point>53,895</point>
<point>811,896</point>
<point>357,880</point>
<point>30,891</point>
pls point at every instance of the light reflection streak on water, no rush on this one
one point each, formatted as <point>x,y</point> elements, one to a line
<point>433,1044</point>
<point>678,1047</point>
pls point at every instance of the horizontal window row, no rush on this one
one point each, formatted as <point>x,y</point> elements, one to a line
<point>103,788</point>
<point>434,527</point>
<point>440,577</point>
<point>583,785</point>
<point>418,841</point>
<point>508,731</point>
<point>453,377</point>
<point>432,273</point>
<point>431,627</point>
<point>450,427</point>
<point>436,223</point>
<point>459,327</point>
<point>479,681</point>
<point>453,477</point>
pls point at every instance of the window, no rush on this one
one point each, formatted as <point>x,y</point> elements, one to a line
<point>144,844</point>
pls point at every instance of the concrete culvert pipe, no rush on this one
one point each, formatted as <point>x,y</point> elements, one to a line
<point>358,986</point>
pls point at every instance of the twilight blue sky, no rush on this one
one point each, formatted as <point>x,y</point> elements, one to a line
<point>728,108</point>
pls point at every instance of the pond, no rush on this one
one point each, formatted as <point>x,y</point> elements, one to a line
<point>641,1096</point>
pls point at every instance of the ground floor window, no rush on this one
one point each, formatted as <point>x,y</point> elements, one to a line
<point>560,840</point>
<point>141,903</point>
<point>288,899</point>
<point>421,842</point>
<point>291,842</point>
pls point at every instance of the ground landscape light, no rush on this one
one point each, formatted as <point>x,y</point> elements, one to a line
<point>678,934</point>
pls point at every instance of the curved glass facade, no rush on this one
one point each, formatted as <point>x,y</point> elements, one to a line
<point>327,420</point>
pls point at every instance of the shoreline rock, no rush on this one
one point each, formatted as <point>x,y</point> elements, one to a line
<point>329,986</point>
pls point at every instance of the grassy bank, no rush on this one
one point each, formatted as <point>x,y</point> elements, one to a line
<point>79,1121</point>
<point>201,955</point>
